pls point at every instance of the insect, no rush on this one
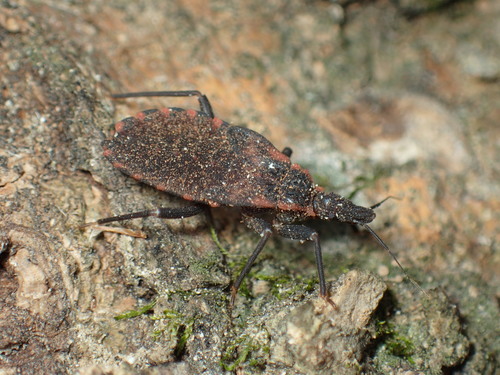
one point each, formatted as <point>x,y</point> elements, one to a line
<point>194,155</point>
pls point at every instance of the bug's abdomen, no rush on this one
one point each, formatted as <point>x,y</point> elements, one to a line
<point>189,154</point>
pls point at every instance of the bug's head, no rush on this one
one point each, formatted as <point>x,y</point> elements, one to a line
<point>333,206</point>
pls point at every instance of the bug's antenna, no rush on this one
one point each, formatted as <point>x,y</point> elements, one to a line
<point>383,200</point>
<point>382,243</point>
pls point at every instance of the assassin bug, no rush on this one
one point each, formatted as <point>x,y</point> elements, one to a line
<point>194,155</point>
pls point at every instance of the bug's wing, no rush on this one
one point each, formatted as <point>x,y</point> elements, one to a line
<point>199,158</point>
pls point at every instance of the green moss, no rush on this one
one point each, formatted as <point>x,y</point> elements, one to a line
<point>243,350</point>
<point>215,238</point>
<point>177,327</point>
<point>281,286</point>
<point>244,289</point>
<point>206,266</point>
<point>401,346</point>
<point>134,313</point>
<point>276,283</point>
<point>395,343</point>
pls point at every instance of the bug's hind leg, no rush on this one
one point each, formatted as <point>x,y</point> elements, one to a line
<point>161,212</point>
<point>303,233</point>
<point>264,229</point>
<point>205,105</point>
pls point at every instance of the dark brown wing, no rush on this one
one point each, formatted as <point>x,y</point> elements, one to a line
<point>189,154</point>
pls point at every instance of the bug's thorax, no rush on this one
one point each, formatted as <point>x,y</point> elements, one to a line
<point>331,206</point>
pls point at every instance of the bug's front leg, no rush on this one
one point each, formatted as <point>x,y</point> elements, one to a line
<point>303,233</point>
<point>264,229</point>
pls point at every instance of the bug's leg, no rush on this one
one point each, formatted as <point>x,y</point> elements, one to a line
<point>303,233</point>
<point>264,229</point>
<point>287,151</point>
<point>205,105</point>
<point>161,212</point>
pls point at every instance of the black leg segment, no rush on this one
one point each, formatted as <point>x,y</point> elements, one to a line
<point>303,233</point>
<point>264,229</point>
<point>161,212</point>
<point>202,99</point>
